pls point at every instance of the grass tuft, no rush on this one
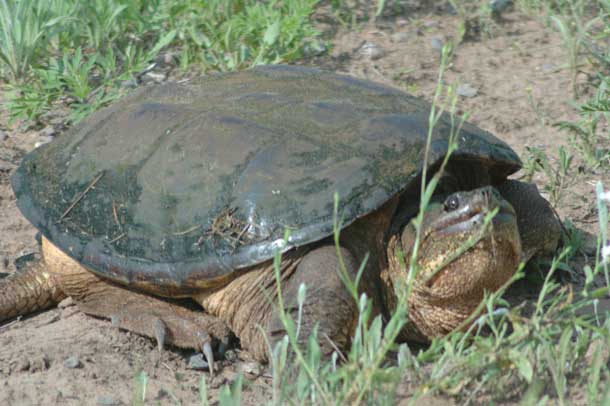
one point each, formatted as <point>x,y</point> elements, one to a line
<point>79,53</point>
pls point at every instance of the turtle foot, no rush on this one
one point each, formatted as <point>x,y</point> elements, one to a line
<point>166,322</point>
<point>161,331</point>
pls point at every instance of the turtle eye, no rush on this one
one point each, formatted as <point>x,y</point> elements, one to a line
<point>452,203</point>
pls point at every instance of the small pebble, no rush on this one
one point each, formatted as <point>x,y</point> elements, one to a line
<point>155,76</point>
<point>449,9</point>
<point>252,368</point>
<point>43,139</point>
<point>467,90</point>
<point>372,50</point>
<point>437,44</point>
<point>3,135</point>
<point>73,362</point>
<point>105,400</point>
<point>196,361</point>
<point>498,6</point>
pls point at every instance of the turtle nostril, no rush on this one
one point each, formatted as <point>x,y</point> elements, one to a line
<point>452,203</point>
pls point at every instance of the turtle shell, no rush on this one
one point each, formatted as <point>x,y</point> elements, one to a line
<point>179,185</point>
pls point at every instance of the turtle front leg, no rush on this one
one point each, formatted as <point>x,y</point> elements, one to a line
<point>328,304</point>
<point>539,227</point>
<point>249,305</point>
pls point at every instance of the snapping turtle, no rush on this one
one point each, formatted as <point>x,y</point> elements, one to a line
<point>186,190</point>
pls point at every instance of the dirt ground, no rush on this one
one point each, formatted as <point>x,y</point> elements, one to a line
<point>36,352</point>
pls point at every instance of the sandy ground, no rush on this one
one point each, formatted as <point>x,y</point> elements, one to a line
<point>35,352</point>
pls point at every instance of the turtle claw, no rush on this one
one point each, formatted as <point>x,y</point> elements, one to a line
<point>209,355</point>
<point>206,348</point>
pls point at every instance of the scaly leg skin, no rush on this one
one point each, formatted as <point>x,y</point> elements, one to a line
<point>150,316</point>
<point>328,304</point>
<point>30,289</point>
<point>538,225</point>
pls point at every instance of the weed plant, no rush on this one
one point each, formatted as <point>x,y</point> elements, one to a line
<point>80,52</point>
<point>476,19</point>
<point>590,133</point>
<point>583,25</point>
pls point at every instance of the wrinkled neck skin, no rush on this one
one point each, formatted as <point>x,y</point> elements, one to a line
<point>448,287</point>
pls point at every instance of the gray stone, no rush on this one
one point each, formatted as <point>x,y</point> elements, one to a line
<point>73,362</point>
<point>3,135</point>
<point>106,400</point>
<point>196,361</point>
<point>156,77</point>
<point>372,50</point>
<point>467,90</point>
<point>42,139</point>
<point>498,6</point>
<point>437,44</point>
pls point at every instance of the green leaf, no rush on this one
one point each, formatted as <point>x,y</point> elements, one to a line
<point>272,33</point>
<point>525,367</point>
<point>162,43</point>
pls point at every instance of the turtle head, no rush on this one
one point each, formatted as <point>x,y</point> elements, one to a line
<point>469,245</point>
